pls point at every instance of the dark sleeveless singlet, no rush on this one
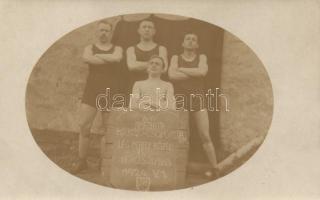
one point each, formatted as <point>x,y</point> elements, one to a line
<point>107,69</point>
<point>100,78</point>
<point>193,85</point>
<point>142,56</point>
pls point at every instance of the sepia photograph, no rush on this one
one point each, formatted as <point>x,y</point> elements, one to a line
<point>149,102</point>
<point>152,100</point>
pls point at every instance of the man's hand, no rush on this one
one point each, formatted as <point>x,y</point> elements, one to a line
<point>90,58</point>
<point>173,72</point>
<point>200,71</point>
<point>133,64</point>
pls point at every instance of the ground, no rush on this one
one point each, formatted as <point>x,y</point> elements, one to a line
<point>62,147</point>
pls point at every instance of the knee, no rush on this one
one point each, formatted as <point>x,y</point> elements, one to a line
<point>205,137</point>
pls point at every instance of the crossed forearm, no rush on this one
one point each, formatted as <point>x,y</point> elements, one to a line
<point>108,57</point>
<point>138,66</point>
<point>191,71</point>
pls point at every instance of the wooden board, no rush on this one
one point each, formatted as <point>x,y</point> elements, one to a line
<point>150,149</point>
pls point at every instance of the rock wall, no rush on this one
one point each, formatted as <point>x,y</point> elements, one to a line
<point>247,86</point>
<point>57,82</point>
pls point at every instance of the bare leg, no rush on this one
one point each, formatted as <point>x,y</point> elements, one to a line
<point>105,117</point>
<point>87,114</point>
<point>202,123</point>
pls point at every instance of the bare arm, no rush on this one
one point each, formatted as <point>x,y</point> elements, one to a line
<point>132,62</point>
<point>201,70</point>
<point>164,54</point>
<point>135,96</point>
<point>90,58</point>
<point>116,56</point>
<point>170,97</point>
<point>174,73</point>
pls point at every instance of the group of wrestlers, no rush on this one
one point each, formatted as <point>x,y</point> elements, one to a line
<point>146,61</point>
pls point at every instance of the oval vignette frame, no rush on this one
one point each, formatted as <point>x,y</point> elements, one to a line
<point>237,125</point>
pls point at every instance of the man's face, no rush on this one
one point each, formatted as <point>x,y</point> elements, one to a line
<point>146,29</point>
<point>155,66</point>
<point>190,42</point>
<point>104,32</point>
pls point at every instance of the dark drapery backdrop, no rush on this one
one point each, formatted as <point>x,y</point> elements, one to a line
<point>169,33</point>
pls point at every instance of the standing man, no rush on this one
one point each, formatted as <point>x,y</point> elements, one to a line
<point>103,60</point>
<point>139,55</point>
<point>187,72</point>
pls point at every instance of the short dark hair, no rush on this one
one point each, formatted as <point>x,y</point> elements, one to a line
<point>190,33</point>
<point>103,21</point>
<point>147,20</point>
<point>157,56</point>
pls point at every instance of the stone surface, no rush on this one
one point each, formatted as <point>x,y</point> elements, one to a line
<point>247,86</point>
<point>56,84</point>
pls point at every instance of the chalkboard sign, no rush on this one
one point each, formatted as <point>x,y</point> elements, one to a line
<point>149,149</point>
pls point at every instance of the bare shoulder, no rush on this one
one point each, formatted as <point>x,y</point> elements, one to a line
<point>118,47</point>
<point>130,49</point>
<point>174,57</point>
<point>140,82</point>
<point>167,84</point>
<point>202,57</point>
<point>137,83</point>
<point>88,47</point>
<point>162,48</point>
